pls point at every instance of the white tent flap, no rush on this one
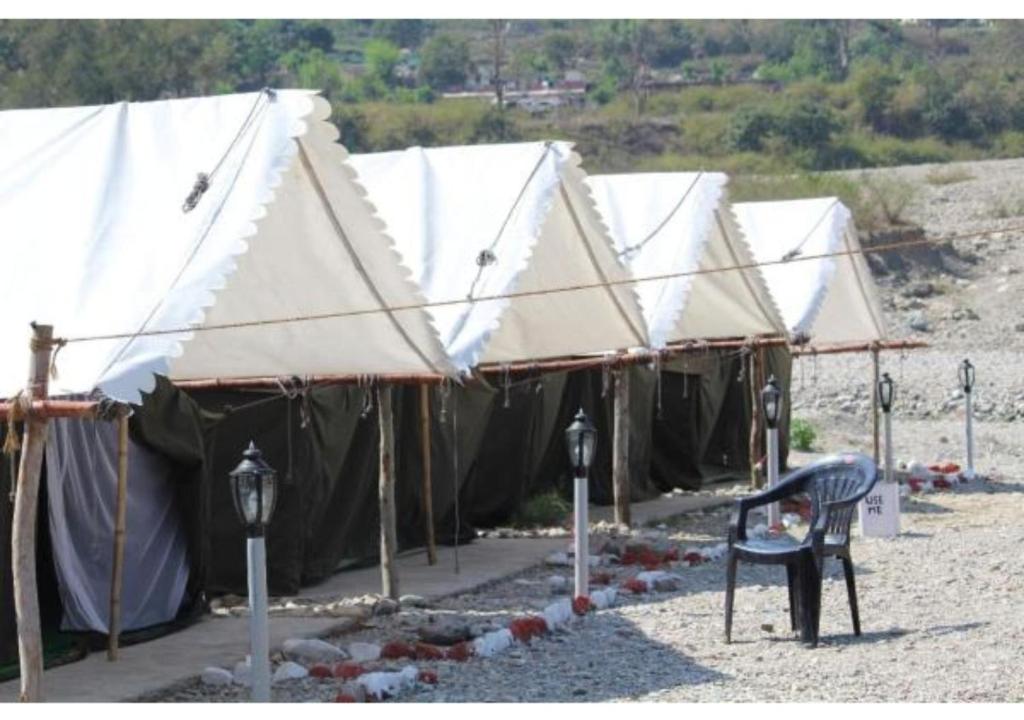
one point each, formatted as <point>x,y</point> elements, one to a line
<point>81,462</point>
<point>491,221</point>
<point>91,200</point>
<point>679,237</point>
<point>826,299</point>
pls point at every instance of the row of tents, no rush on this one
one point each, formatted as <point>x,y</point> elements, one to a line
<point>225,267</point>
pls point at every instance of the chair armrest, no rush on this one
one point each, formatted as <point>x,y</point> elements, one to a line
<point>738,522</point>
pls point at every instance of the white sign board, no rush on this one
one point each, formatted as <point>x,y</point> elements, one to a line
<point>879,511</point>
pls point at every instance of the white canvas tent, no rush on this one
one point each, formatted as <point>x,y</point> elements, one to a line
<point>681,223</point>
<point>97,243</point>
<point>827,300</point>
<point>490,220</point>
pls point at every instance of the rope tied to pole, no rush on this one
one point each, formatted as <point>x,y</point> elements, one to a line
<point>20,407</point>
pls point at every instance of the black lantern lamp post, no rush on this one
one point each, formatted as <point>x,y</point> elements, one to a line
<point>771,403</point>
<point>771,406</point>
<point>886,393</point>
<point>966,373</point>
<point>581,439</point>
<point>254,490</point>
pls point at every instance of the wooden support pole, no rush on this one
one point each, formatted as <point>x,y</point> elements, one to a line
<point>386,495</point>
<point>874,401</point>
<point>620,448</point>
<point>755,420</point>
<point>120,522</point>
<point>428,487</point>
<point>23,528</point>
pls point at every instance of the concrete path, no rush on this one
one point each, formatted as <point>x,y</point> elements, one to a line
<point>222,641</point>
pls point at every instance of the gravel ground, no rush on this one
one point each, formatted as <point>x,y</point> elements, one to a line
<point>939,605</point>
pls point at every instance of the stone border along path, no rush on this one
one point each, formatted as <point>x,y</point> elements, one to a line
<point>152,668</point>
<point>321,670</point>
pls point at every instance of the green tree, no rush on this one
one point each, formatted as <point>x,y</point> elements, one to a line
<point>559,49</point>
<point>381,58</point>
<point>444,61</point>
<point>875,87</point>
<point>404,33</point>
<point>749,128</point>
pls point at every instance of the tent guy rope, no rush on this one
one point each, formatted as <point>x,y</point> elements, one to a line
<point>605,283</point>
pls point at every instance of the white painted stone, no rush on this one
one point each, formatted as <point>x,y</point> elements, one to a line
<point>558,585</point>
<point>216,676</point>
<point>558,613</point>
<point>364,652</point>
<point>388,684</point>
<point>603,598</point>
<point>289,671</point>
<point>311,650</point>
<point>492,643</point>
<point>242,674</point>
<point>558,559</point>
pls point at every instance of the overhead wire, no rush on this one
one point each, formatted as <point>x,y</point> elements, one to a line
<point>342,314</point>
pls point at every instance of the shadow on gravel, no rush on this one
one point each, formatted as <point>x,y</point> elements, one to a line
<point>940,630</point>
<point>652,667</point>
<point>923,507</point>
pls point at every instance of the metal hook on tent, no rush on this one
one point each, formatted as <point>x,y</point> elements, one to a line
<point>367,398</point>
<point>657,369</point>
<point>444,391</point>
<point>744,352</point>
<point>606,376</point>
<point>455,481</point>
<point>506,385</point>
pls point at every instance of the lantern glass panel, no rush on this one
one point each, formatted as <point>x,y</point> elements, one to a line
<point>771,402</point>
<point>269,496</point>
<point>886,391</point>
<point>581,441</point>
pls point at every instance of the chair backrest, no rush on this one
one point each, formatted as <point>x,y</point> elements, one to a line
<point>845,477</point>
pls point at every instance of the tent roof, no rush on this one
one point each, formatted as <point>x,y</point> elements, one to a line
<point>828,299</point>
<point>98,244</point>
<point>488,220</point>
<point>665,223</point>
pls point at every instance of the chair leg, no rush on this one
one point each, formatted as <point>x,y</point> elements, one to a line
<point>851,590</point>
<point>730,592</point>
<point>817,572</point>
<point>794,598</point>
<point>810,594</point>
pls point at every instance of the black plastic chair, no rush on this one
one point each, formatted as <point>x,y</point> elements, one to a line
<point>834,485</point>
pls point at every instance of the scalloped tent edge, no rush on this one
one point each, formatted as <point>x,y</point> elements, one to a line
<point>667,223</point>
<point>490,221</point>
<point>826,300</point>
<point>282,231</point>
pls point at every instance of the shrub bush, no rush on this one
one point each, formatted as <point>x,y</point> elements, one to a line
<point>544,510</point>
<point>802,435</point>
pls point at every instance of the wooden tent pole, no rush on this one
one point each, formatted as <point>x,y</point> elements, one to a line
<point>428,489</point>
<point>386,494</point>
<point>755,420</point>
<point>120,521</point>
<point>620,448</point>
<point>23,527</point>
<point>874,401</point>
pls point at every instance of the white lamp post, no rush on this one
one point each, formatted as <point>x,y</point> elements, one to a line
<point>886,391</point>
<point>581,438</point>
<point>880,510</point>
<point>966,373</point>
<point>254,490</point>
<point>771,404</point>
